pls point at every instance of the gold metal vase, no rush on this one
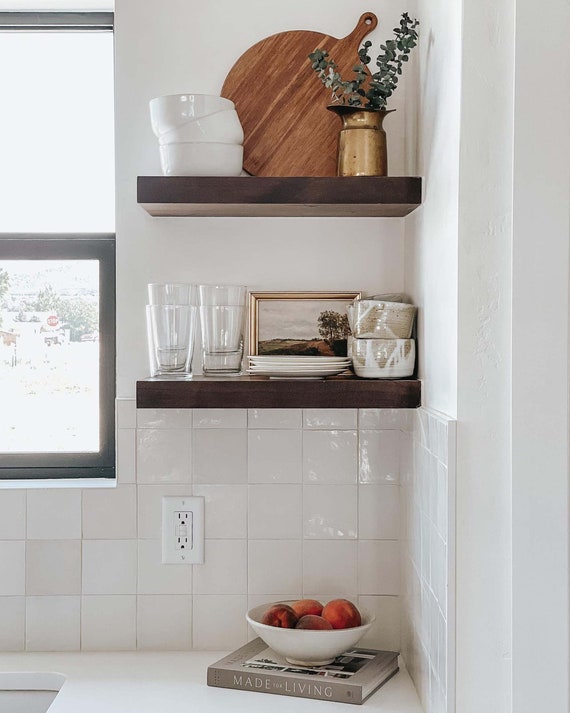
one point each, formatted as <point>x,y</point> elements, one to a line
<point>362,149</point>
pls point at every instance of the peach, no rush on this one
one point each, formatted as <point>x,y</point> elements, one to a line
<point>280,615</point>
<point>312,621</point>
<point>303,607</point>
<point>342,614</point>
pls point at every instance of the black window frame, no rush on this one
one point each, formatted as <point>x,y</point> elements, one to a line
<point>70,246</point>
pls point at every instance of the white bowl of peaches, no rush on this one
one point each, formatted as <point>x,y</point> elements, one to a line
<point>307,633</point>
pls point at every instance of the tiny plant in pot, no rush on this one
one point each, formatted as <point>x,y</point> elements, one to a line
<point>361,102</point>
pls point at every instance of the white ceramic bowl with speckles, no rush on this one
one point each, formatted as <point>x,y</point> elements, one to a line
<point>174,110</point>
<point>222,127</point>
<point>201,159</point>
<point>376,319</point>
<point>383,358</point>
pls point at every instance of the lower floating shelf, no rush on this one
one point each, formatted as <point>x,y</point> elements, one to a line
<point>264,392</point>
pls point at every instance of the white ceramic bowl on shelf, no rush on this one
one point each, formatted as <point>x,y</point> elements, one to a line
<point>201,159</point>
<point>383,358</point>
<point>377,319</point>
<point>223,127</point>
<point>307,647</point>
<point>174,110</point>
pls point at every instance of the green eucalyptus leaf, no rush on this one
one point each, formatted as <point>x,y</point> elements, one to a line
<point>389,61</point>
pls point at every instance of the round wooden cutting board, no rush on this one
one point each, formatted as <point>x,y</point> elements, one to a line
<point>281,101</point>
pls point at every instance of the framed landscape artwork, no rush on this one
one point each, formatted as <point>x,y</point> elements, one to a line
<point>299,323</point>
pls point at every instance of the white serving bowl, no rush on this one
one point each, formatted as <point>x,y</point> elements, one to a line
<point>377,319</point>
<point>383,358</point>
<point>307,647</point>
<point>174,110</point>
<point>222,127</point>
<point>201,159</point>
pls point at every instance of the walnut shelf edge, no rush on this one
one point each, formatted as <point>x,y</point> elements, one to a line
<point>263,392</point>
<point>246,196</point>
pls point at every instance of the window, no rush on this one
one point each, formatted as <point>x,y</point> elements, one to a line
<point>57,247</point>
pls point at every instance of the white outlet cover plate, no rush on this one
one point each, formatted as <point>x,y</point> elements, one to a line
<point>171,554</point>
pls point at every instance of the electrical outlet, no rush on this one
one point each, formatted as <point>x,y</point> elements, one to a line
<point>183,530</point>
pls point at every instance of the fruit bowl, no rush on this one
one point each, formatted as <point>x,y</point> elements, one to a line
<point>307,647</point>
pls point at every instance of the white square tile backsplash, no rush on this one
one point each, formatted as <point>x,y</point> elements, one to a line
<point>379,456</point>
<point>219,418</point>
<point>275,566</point>
<point>163,455</point>
<point>275,511</point>
<point>13,515</point>
<point>275,418</point>
<point>109,622</point>
<point>274,456</point>
<point>314,503</point>
<point>328,418</point>
<point>224,570</point>
<point>330,511</point>
<point>12,567</point>
<point>218,621</point>
<point>155,578</point>
<point>225,510</point>
<point>220,455</point>
<point>330,456</point>
<point>54,515</point>
<point>53,623</point>
<point>110,514</point>
<point>164,622</point>
<point>53,567</point>
<point>12,623</point>
<point>330,567</point>
<point>109,566</point>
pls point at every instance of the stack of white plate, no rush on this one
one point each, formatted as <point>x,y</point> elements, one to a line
<point>297,366</point>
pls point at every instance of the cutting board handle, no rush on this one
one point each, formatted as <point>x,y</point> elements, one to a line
<point>365,24</point>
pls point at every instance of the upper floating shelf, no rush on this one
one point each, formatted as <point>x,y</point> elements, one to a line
<point>245,196</point>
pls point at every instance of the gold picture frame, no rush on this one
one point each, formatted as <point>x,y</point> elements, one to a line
<point>281,323</point>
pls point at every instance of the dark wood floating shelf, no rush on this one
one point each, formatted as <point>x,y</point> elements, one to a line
<point>262,392</point>
<point>381,196</point>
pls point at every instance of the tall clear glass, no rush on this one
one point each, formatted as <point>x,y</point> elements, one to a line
<point>222,321</point>
<point>171,293</point>
<point>170,331</point>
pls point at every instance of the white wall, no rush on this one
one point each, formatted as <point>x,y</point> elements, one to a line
<point>541,190</point>
<point>179,46</point>
<point>431,231</point>
<point>484,360</point>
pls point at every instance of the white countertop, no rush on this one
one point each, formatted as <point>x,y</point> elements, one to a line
<point>144,682</point>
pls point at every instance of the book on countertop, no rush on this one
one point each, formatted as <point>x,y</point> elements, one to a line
<point>351,678</point>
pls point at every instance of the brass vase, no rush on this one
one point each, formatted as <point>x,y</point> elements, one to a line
<point>362,141</point>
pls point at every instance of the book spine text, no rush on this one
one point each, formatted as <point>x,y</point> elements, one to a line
<point>268,683</point>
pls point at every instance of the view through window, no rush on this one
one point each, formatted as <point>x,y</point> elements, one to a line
<point>49,354</point>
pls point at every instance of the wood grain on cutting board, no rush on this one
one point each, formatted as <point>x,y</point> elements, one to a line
<point>281,101</point>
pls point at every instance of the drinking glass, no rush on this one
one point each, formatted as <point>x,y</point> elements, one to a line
<point>170,331</point>
<point>222,321</point>
<point>171,293</point>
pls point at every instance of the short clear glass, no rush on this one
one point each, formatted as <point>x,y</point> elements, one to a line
<point>222,321</point>
<point>171,331</point>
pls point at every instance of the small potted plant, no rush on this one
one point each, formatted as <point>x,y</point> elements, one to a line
<point>361,102</point>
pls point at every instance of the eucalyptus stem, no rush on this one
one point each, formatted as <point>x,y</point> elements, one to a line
<point>370,92</point>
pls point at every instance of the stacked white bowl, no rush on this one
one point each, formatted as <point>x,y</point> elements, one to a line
<point>381,347</point>
<point>198,135</point>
